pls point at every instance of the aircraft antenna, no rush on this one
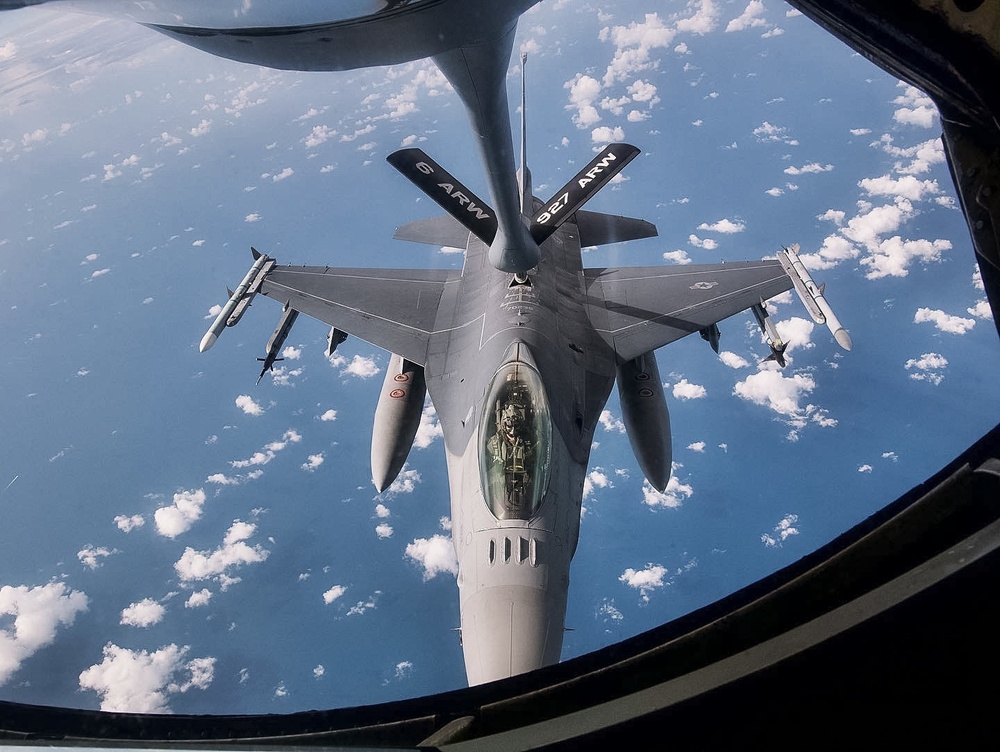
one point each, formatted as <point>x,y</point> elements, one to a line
<point>526,207</point>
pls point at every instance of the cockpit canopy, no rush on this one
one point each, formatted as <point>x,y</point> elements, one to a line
<point>515,443</point>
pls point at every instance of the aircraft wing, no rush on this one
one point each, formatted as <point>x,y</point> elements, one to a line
<point>395,309</point>
<point>639,309</point>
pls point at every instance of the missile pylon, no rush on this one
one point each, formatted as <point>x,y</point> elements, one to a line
<point>812,295</point>
<point>222,319</point>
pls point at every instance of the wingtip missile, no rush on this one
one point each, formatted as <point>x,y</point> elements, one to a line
<point>238,300</point>
<point>813,296</point>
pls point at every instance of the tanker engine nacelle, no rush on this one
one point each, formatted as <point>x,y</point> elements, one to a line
<point>397,417</point>
<point>647,422</point>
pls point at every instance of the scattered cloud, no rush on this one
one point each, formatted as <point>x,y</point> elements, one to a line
<point>726,226</point>
<point>248,405</point>
<point>928,367</point>
<point>30,617</point>
<point>198,598</point>
<point>429,428</point>
<point>182,513</point>
<point>685,390</point>
<point>645,580</point>
<point>807,169</point>
<point>671,497</point>
<point>781,532</point>
<point>91,557</point>
<point>129,523</point>
<point>142,682</point>
<point>733,360</point>
<point>313,462</point>
<point>435,555</point>
<point>610,422</point>
<point>144,613</point>
<point>329,416</point>
<point>333,594</point>
<point>943,321</point>
<point>234,552</point>
<point>360,366</point>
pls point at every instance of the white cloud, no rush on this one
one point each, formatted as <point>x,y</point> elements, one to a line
<point>383,530</point>
<point>429,428</point>
<point>605,134</point>
<point>704,19</point>
<point>685,390</point>
<point>234,552</point>
<point>382,511</point>
<point>943,321</point>
<point>981,310</point>
<point>811,168</point>
<point>360,366</point>
<point>198,598</point>
<point>128,524</point>
<point>436,555</point>
<point>596,478</point>
<point>893,256</point>
<point>333,594</point>
<point>732,360</point>
<point>671,497</point>
<point>770,388</point>
<point>723,225</point>
<point>697,446</point>
<point>182,513</point>
<point>782,531</point>
<point>865,469</point>
<point>320,134</point>
<point>404,669</point>
<point>610,422</point>
<point>30,617</point>
<point>917,108</point>
<point>319,671</point>
<point>907,187</point>
<point>633,44</point>
<point>314,461</point>
<point>284,174</point>
<point>141,682</point>
<point>254,217</point>
<point>928,367</point>
<point>405,482</point>
<point>644,580</point>
<point>749,18</point>
<point>91,557</point>
<point>708,244</point>
<point>248,405</point>
<point>144,613</point>
<point>270,450</point>
<point>328,416</point>
<point>201,129</point>
<point>677,257</point>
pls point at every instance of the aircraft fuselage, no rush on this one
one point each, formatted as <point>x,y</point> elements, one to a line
<point>518,381</point>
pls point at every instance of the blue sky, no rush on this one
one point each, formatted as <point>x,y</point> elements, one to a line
<point>177,539</point>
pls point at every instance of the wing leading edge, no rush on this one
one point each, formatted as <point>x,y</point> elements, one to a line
<point>395,309</point>
<point>640,309</point>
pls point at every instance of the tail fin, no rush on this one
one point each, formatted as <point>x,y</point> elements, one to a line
<point>525,183</point>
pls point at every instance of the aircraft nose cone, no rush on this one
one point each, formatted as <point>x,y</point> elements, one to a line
<point>509,630</point>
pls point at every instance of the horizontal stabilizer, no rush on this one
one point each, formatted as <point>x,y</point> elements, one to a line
<point>461,203</point>
<point>601,229</point>
<point>578,191</point>
<point>440,230</point>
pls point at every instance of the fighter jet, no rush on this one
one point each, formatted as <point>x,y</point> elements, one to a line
<point>520,349</point>
<point>519,366</point>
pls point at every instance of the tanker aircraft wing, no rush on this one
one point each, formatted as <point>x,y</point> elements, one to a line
<point>639,309</point>
<point>394,309</point>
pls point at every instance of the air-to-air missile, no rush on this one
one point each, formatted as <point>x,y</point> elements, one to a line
<point>812,295</point>
<point>240,300</point>
<point>277,339</point>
